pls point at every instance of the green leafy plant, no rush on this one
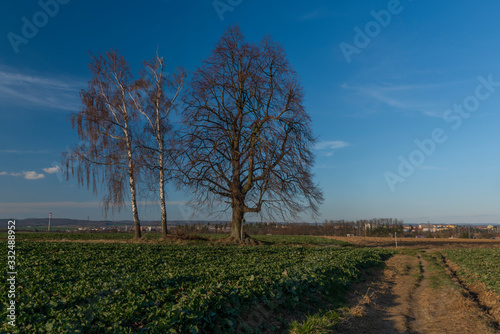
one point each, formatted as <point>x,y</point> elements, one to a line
<point>154,288</point>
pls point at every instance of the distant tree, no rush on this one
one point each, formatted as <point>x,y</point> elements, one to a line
<point>106,154</point>
<point>155,98</point>
<point>247,136</point>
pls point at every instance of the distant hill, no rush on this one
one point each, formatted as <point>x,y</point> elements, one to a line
<point>66,222</point>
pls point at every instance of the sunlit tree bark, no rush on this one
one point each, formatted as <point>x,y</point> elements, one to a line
<point>106,125</point>
<point>156,96</point>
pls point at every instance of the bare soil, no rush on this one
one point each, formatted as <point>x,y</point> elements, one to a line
<point>415,294</point>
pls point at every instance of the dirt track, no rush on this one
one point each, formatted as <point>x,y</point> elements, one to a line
<point>418,292</point>
<point>414,294</point>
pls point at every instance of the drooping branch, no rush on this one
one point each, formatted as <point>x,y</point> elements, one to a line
<point>106,125</point>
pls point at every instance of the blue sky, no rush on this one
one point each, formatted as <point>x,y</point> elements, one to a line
<point>417,67</point>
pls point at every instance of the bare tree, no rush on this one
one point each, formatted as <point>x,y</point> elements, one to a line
<point>247,136</point>
<point>105,126</point>
<point>155,105</point>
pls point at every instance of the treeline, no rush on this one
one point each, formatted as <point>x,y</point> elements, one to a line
<point>464,232</point>
<point>380,227</point>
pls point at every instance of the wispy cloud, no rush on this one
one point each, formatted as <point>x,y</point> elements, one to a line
<point>28,175</point>
<point>31,175</point>
<point>29,207</point>
<point>329,147</point>
<point>23,207</point>
<point>25,151</point>
<point>52,170</point>
<point>408,97</point>
<point>34,90</point>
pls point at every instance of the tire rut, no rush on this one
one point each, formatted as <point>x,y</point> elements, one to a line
<point>413,294</point>
<point>411,318</point>
<point>469,293</point>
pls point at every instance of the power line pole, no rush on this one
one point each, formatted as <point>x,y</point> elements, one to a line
<point>50,218</point>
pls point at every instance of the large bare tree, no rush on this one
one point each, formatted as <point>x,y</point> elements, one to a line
<point>106,154</point>
<point>247,137</point>
<point>155,98</point>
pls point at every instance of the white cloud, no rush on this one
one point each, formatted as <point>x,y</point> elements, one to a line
<point>324,166</point>
<point>27,90</point>
<point>52,170</point>
<point>331,145</point>
<point>31,175</point>
<point>11,174</point>
<point>28,175</point>
<point>327,148</point>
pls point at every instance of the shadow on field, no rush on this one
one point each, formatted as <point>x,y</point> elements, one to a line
<point>369,303</point>
<point>360,309</point>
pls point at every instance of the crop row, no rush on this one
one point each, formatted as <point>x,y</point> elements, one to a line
<point>126,288</point>
<point>478,265</point>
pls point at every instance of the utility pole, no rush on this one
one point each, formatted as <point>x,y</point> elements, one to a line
<point>50,218</point>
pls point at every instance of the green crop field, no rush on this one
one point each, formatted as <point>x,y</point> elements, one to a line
<point>478,265</point>
<point>65,287</point>
<point>273,239</point>
<point>287,239</point>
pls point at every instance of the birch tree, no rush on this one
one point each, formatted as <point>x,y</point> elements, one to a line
<point>156,97</point>
<point>106,125</point>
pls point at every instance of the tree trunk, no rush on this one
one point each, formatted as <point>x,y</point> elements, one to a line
<point>237,223</point>
<point>133,196</point>
<point>164,230</point>
<point>135,213</point>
